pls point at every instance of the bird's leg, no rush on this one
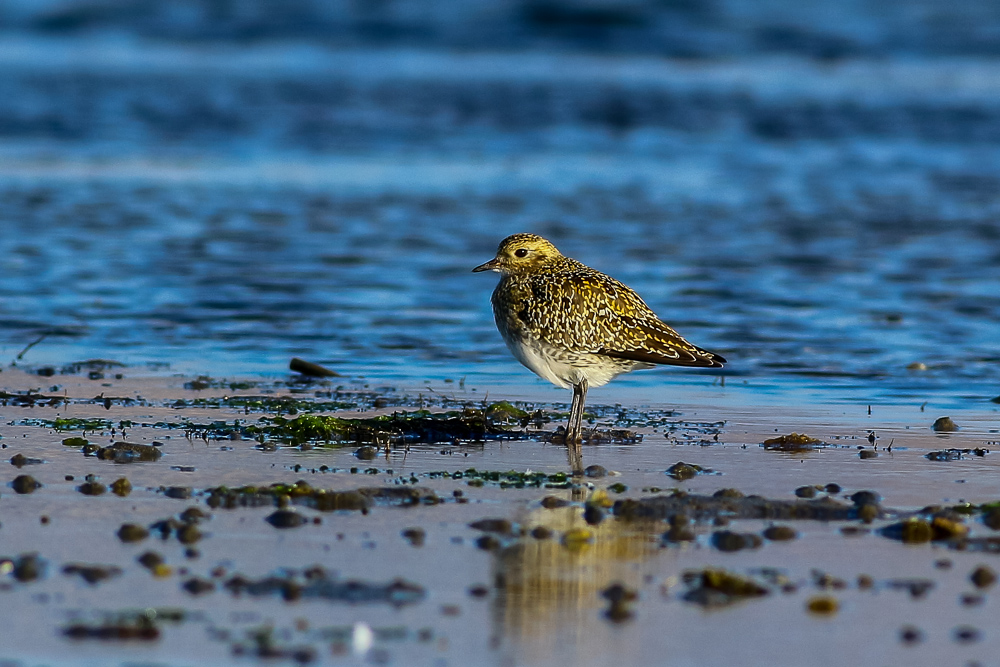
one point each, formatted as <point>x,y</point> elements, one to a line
<point>574,452</point>
<point>574,430</point>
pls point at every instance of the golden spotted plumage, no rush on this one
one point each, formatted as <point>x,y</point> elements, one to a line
<point>574,325</point>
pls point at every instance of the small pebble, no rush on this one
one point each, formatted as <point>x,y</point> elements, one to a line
<point>966,634</point>
<point>194,515</point>
<point>502,526</point>
<point>593,515</point>
<point>780,533</point>
<point>197,586</point>
<point>992,518</point>
<point>868,513</point>
<point>286,519</point>
<point>806,492</point>
<point>865,498</point>
<point>150,560</point>
<point>121,487</point>
<point>944,425</point>
<point>488,543</point>
<point>983,577</point>
<point>822,605</point>
<point>909,634</point>
<point>541,532</point>
<point>366,453</point>
<point>92,488</point>
<point>130,532</point>
<point>24,484</point>
<point>188,534</point>
<point>415,536</point>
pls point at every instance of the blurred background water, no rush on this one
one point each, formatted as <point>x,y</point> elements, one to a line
<point>811,189</point>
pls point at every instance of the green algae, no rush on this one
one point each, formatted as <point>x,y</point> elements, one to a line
<point>417,426</point>
<point>288,405</point>
<point>76,424</point>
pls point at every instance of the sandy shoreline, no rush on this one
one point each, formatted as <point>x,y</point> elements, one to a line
<point>512,599</point>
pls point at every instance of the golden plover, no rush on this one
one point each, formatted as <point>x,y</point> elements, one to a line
<point>575,326</point>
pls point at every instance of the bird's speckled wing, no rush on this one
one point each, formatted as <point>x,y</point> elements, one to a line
<point>574,307</point>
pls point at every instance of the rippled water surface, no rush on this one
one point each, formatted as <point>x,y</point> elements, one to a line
<point>824,225</point>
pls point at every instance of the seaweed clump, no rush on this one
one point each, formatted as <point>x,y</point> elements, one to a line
<point>324,500</point>
<point>707,508</point>
<point>718,588</point>
<point>793,442</point>
<point>682,471</point>
<point>955,454</point>
<point>941,527</point>
<point>418,426</point>
<point>316,583</point>
<point>92,574</point>
<point>129,452</point>
<point>126,627</point>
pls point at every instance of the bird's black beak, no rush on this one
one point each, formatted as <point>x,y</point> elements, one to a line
<point>492,265</point>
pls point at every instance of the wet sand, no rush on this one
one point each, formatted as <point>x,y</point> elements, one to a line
<point>531,589</point>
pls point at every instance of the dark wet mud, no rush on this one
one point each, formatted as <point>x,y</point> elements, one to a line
<point>423,531</point>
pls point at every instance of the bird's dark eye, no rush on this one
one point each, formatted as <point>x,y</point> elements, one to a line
<point>521,252</point>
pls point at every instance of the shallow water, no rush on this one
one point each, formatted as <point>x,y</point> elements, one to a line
<point>217,209</point>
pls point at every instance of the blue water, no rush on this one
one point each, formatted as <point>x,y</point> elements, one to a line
<point>823,220</point>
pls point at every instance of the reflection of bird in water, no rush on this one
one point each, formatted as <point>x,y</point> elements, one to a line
<point>548,585</point>
<point>575,326</point>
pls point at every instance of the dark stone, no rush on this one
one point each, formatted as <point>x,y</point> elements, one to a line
<point>502,526</point>
<point>130,532</point>
<point>552,502</point>
<point>593,514</point>
<point>286,519</point>
<point>780,533</point>
<point>944,425</point>
<point>198,586</point>
<point>727,540</point>
<point>24,484</point>
<point>983,576</point>
<point>865,498</point>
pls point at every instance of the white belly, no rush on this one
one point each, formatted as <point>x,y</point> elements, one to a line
<point>565,369</point>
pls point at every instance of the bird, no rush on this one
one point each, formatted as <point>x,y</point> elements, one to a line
<point>575,326</point>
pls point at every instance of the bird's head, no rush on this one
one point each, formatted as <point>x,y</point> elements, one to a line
<point>521,253</point>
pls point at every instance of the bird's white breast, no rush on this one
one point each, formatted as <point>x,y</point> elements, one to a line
<point>565,369</point>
